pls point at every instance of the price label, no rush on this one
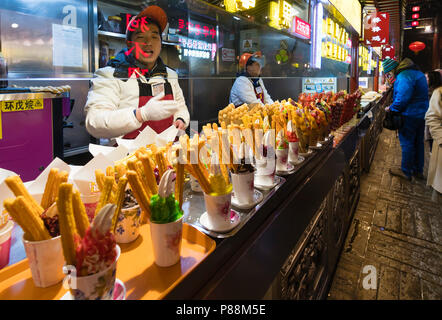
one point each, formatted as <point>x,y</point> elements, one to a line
<point>21,105</point>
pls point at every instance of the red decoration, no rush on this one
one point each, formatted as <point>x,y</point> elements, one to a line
<point>415,16</point>
<point>415,23</point>
<point>388,52</point>
<point>376,29</point>
<point>417,46</point>
<point>196,29</point>
<point>416,9</point>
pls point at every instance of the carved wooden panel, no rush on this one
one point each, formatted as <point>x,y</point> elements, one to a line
<point>302,276</point>
<point>338,211</point>
<point>354,179</point>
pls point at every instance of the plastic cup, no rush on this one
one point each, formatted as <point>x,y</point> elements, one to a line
<point>90,203</point>
<point>282,156</point>
<point>293,152</point>
<point>243,187</point>
<point>99,286</point>
<point>45,261</point>
<point>127,229</point>
<point>218,210</point>
<point>166,241</point>
<point>5,243</point>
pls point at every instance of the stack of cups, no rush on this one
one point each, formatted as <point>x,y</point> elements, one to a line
<point>243,187</point>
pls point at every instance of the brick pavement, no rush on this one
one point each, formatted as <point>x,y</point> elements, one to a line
<point>397,229</point>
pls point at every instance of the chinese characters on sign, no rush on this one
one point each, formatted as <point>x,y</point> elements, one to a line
<point>301,28</point>
<point>335,44</point>
<point>21,105</point>
<point>388,52</point>
<point>197,48</point>
<point>196,29</point>
<point>376,29</point>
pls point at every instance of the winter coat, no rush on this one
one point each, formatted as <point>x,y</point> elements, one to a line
<point>243,91</point>
<point>434,122</point>
<point>115,94</point>
<point>410,91</point>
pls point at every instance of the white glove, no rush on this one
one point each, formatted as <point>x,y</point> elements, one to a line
<point>155,109</point>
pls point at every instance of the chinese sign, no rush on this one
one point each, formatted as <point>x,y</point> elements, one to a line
<point>281,14</point>
<point>388,52</point>
<point>301,28</point>
<point>318,85</point>
<point>228,55</point>
<point>197,29</point>
<point>21,105</point>
<point>336,43</point>
<point>197,48</point>
<point>376,28</point>
<point>239,5</point>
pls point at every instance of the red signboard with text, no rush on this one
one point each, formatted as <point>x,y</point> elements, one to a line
<point>388,52</point>
<point>376,29</point>
<point>301,28</point>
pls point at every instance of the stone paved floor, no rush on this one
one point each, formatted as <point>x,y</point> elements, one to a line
<point>397,229</point>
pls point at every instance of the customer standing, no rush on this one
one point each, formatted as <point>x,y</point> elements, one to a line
<point>434,122</point>
<point>410,98</point>
<point>434,79</point>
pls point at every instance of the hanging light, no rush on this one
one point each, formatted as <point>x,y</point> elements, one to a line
<point>416,46</point>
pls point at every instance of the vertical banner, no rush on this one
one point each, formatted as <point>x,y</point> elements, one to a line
<point>376,29</point>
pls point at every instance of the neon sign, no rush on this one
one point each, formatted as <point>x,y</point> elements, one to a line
<point>196,29</point>
<point>302,28</point>
<point>239,5</point>
<point>197,48</point>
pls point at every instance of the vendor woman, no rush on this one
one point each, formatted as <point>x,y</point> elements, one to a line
<point>137,89</point>
<point>249,87</point>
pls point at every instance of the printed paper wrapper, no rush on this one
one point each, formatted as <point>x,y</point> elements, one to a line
<point>149,136</point>
<point>90,204</point>
<point>5,243</point>
<point>282,156</point>
<point>112,153</point>
<point>99,286</point>
<point>218,210</point>
<point>85,178</point>
<point>293,152</point>
<point>128,224</point>
<point>166,241</point>
<point>45,261</point>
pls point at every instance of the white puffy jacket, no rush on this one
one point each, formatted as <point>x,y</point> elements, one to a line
<point>111,103</point>
<point>244,92</point>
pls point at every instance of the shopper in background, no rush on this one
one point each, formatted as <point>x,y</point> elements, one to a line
<point>434,123</point>
<point>249,87</point>
<point>434,80</point>
<point>410,99</point>
<point>137,89</point>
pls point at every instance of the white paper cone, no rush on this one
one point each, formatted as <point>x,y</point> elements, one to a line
<point>166,242</point>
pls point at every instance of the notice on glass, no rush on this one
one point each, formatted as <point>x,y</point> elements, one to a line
<point>67,45</point>
<point>318,85</point>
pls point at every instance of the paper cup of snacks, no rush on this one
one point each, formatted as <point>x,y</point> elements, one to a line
<point>40,223</point>
<point>90,249</point>
<point>282,151</point>
<point>293,143</point>
<point>265,162</point>
<point>5,243</point>
<point>90,202</point>
<point>99,285</point>
<point>45,261</point>
<point>243,176</point>
<point>166,223</point>
<point>128,223</point>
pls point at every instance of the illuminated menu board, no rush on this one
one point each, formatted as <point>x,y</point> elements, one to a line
<point>197,40</point>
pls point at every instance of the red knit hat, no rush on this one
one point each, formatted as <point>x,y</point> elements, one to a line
<point>153,13</point>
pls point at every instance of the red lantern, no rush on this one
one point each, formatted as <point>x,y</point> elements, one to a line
<point>417,46</point>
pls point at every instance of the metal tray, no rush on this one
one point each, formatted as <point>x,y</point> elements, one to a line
<point>194,207</point>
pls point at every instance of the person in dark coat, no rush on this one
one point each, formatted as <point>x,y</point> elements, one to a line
<point>410,98</point>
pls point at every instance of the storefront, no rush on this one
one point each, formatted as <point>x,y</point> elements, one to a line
<point>286,245</point>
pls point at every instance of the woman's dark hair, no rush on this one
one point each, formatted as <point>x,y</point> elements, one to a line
<point>434,80</point>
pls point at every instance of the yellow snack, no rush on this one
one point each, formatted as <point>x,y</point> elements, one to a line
<point>15,184</point>
<point>49,189</point>
<point>161,162</point>
<point>106,193</point>
<point>119,199</point>
<point>99,177</point>
<point>81,219</point>
<point>62,177</point>
<point>66,218</point>
<point>17,216</point>
<point>139,192</point>
<point>149,173</point>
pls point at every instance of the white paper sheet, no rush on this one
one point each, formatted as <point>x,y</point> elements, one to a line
<point>67,46</point>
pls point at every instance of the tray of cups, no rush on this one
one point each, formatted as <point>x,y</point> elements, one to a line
<point>220,216</point>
